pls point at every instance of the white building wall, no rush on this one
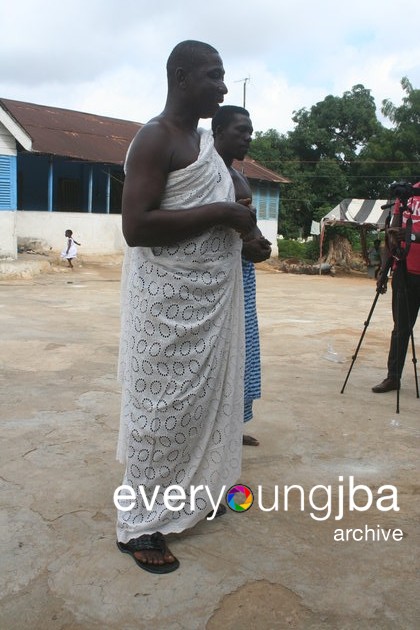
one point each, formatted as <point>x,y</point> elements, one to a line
<point>97,233</point>
<point>8,234</point>
<point>268,228</point>
<point>7,142</point>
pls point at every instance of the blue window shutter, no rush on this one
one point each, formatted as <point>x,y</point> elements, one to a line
<point>8,184</point>
<point>274,203</point>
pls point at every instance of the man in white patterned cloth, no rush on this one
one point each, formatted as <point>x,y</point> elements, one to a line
<point>182,330</point>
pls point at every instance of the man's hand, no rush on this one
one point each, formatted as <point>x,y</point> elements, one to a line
<point>381,284</point>
<point>395,235</point>
<point>257,249</point>
<point>242,216</point>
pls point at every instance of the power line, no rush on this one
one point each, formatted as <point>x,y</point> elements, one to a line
<point>336,161</point>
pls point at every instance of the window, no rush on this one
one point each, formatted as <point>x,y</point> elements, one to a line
<point>8,197</point>
<point>265,198</point>
<point>69,195</point>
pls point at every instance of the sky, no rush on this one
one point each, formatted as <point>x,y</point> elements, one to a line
<point>108,57</point>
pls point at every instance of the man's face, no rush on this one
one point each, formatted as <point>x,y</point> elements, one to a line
<point>237,136</point>
<point>206,85</point>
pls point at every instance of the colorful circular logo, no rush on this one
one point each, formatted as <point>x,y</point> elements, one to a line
<point>239,498</point>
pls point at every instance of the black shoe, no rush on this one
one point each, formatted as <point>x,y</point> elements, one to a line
<point>387,385</point>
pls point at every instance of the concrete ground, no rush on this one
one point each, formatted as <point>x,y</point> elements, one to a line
<point>280,569</point>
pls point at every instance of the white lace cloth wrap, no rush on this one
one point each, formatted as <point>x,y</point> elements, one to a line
<point>182,359</point>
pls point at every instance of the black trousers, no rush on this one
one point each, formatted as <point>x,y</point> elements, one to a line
<point>405,308</point>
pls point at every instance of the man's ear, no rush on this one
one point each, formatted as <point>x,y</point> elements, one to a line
<point>180,76</point>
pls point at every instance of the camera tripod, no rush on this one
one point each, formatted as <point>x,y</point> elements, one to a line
<point>398,255</point>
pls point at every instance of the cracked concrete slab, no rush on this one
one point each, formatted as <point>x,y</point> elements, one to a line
<point>278,568</point>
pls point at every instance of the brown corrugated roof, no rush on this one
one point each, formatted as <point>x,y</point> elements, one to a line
<point>254,170</point>
<point>73,134</point>
<point>93,138</point>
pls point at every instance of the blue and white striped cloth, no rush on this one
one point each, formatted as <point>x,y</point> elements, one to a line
<point>252,388</point>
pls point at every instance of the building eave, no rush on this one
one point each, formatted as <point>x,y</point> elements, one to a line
<point>15,129</point>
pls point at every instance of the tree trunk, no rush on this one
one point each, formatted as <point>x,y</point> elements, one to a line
<point>364,245</point>
<point>339,251</point>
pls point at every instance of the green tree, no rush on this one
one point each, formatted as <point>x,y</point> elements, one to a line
<point>392,154</point>
<point>336,127</point>
<point>274,151</point>
<point>317,155</point>
<point>268,148</point>
<point>406,120</point>
<point>339,149</point>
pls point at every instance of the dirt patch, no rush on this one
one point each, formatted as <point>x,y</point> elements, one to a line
<point>262,605</point>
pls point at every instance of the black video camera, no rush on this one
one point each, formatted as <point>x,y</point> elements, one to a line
<point>403,190</point>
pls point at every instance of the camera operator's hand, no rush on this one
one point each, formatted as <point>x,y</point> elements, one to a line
<point>382,283</point>
<point>395,235</point>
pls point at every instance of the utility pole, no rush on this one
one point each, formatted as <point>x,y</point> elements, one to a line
<point>244,94</point>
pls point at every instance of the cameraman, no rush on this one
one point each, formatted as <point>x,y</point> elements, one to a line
<point>405,273</point>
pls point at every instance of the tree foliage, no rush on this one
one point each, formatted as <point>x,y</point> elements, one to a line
<point>338,149</point>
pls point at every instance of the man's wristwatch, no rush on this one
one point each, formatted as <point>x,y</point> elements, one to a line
<point>413,237</point>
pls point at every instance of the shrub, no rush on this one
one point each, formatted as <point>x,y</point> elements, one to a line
<point>312,249</point>
<point>302,251</point>
<point>290,249</point>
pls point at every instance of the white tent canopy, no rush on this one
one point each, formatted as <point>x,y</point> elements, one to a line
<point>358,212</point>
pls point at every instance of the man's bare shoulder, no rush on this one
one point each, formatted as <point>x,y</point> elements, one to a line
<point>155,131</point>
<point>152,143</point>
<point>164,142</point>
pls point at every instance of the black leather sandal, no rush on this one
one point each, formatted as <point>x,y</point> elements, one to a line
<point>149,542</point>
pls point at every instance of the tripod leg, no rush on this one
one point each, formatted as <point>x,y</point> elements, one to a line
<point>413,350</point>
<point>366,324</point>
<point>413,347</point>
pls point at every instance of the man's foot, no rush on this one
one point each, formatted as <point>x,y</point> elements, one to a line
<point>248,440</point>
<point>151,553</point>
<point>220,511</point>
<point>387,385</point>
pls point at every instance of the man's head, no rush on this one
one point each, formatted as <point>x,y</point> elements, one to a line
<point>232,131</point>
<point>195,75</point>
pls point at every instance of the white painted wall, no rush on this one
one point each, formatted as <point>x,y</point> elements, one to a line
<point>8,241</point>
<point>269,230</point>
<point>7,141</point>
<point>97,233</point>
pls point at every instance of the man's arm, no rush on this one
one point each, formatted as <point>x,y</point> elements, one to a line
<point>255,247</point>
<point>395,230</point>
<point>144,222</point>
<point>386,258</point>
